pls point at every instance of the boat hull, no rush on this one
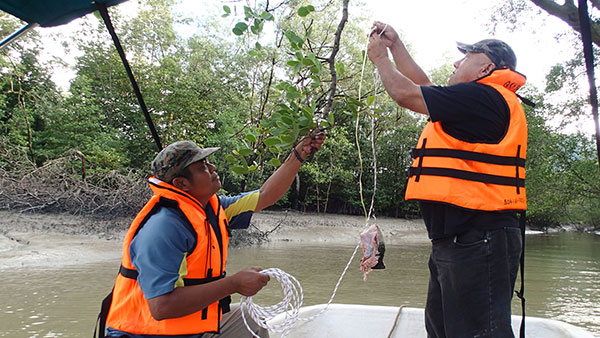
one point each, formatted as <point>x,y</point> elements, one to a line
<point>372,321</point>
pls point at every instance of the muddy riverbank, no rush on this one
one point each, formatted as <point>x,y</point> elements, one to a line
<point>53,240</point>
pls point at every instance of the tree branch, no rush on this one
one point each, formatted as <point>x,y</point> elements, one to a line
<point>568,13</point>
<point>331,60</point>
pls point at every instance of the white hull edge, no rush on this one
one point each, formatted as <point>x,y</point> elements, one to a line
<point>373,321</point>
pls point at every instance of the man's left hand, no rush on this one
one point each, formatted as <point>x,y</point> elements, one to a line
<point>310,144</point>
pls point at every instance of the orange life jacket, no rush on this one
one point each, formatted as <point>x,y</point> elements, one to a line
<point>477,176</point>
<point>129,310</point>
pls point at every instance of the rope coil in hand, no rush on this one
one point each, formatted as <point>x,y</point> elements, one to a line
<point>290,304</point>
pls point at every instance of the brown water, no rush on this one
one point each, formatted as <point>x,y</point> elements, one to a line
<point>562,282</point>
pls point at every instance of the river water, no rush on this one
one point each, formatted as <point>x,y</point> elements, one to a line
<point>562,282</point>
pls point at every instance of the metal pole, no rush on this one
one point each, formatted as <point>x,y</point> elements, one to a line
<point>136,89</point>
<point>17,34</point>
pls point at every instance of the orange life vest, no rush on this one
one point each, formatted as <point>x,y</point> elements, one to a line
<point>129,310</point>
<point>477,176</point>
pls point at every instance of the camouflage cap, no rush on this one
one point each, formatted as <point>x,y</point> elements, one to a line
<point>171,161</point>
<point>498,51</point>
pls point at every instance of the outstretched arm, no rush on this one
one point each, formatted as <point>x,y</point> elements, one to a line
<point>401,88</point>
<point>404,62</point>
<point>277,184</point>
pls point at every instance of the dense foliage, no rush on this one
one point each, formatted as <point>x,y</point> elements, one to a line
<point>253,82</point>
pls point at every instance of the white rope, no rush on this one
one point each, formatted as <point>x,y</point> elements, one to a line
<point>293,294</point>
<point>290,304</point>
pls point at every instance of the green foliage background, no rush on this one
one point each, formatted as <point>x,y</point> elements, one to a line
<point>254,82</point>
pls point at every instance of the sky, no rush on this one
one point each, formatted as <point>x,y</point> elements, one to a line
<point>430,27</point>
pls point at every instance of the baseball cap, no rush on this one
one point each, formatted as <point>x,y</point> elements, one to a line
<point>498,51</point>
<point>170,162</point>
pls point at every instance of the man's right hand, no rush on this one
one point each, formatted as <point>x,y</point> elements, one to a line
<point>388,35</point>
<point>249,281</point>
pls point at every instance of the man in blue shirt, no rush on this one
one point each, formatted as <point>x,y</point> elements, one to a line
<point>172,236</point>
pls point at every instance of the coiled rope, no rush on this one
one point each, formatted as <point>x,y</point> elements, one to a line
<point>293,294</point>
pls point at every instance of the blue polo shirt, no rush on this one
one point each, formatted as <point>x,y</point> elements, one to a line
<point>160,247</point>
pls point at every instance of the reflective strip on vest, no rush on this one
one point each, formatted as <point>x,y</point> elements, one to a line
<point>476,176</point>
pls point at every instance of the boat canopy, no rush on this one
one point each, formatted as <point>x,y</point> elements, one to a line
<point>48,13</point>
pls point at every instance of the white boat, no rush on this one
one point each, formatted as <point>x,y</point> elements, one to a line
<point>372,321</point>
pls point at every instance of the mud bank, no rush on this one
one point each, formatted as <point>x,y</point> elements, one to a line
<point>43,240</point>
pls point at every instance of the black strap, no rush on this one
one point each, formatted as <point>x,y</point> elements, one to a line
<point>128,273</point>
<point>224,304</point>
<point>133,274</point>
<point>517,169</point>
<point>521,292</point>
<point>100,328</point>
<point>467,175</point>
<point>526,101</point>
<point>104,13</point>
<point>468,155</point>
<point>198,281</point>
<point>418,172</point>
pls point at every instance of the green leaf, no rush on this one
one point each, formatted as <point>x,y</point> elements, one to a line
<point>227,11</point>
<point>251,138</point>
<point>297,67</point>
<point>267,16</point>
<point>248,12</point>
<point>331,119</point>
<point>303,121</point>
<point>275,162</point>
<point>292,94</point>
<point>287,120</point>
<point>230,158</point>
<point>287,139</point>
<point>292,63</point>
<point>316,82</point>
<point>304,11</point>
<point>272,141</point>
<point>352,108</point>
<point>293,37</point>
<point>373,115</point>
<point>307,62</point>
<point>370,100</point>
<point>240,170</point>
<point>253,167</point>
<point>339,69</point>
<point>245,152</point>
<point>258,46</point>
<point>229,131</point>
<point>355,101</point>
<point>308,113</point>
<point>240,28</point>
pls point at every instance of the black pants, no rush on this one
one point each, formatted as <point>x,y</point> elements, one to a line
<point>472,279</point>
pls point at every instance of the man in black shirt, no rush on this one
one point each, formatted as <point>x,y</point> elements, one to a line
<point>476,245</point>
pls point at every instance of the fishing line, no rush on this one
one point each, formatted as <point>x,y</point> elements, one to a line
<point>293,294</point>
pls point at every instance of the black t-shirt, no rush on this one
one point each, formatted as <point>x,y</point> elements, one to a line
<point>471,112</point>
